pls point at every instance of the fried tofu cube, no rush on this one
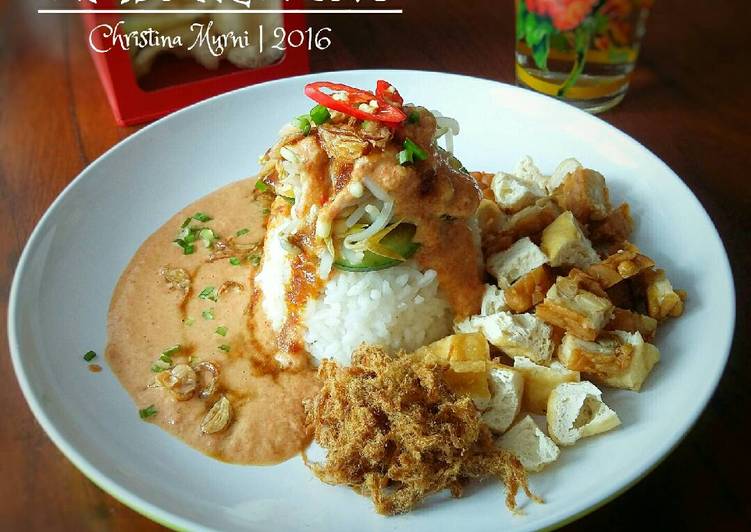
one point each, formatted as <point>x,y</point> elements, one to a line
<point>630,321</point>
<point>624,264</point>
<point>607,355</point>
<point>513,193</point>
<point>517,334</point>
<point>619,359</point>
<point>570,306</point>
<point>561,172</point>
<point>506,393</point>
<point>467,357</point>
<point>493,301</point>
<point>533,219</point>
<point>564,243</point>
<point>530,445</point>
<point>518,260</point>
<point>662,301</point>
<point>490,217</point>
<point>527,170</point>
<point>584,193</point>
<point>644,358</point>
<point>528,291</point>
<point>576,410</point>
<point>616,227</point>
<point>539,381</point>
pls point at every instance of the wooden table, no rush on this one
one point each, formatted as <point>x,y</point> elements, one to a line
<point>689,103</point>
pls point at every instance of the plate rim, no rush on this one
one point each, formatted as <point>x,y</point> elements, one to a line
<point>177,522</point>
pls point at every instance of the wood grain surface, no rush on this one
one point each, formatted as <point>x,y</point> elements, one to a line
<point>689,103</point>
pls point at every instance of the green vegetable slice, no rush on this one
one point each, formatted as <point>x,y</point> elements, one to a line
<point>400,241</point>
<point>320,115</point>
<point>147,412</point>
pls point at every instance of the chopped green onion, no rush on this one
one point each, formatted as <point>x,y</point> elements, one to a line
<point>190,237</point>
<point>289,200</point>
<point>208,314</point>
<point>302,123</point>
<point>172,350</point>
<point>414,117</point>
<point>221,330</point>
<point>191,360</point>
<point>147,412</point>
<point>160,365</point>
<point>189,321</point>
<point>261,186</point>
<point>187,248</point>
<point>224,347</point>
<point>417,151</point>
<point>255,260</point>
<point>209,293</point>
<point>207,236</point>
<point>166,359</point>
<point>88,357</point>
<point>266,211</point>
<point>186,223</point>
<point>202,217</point>
<point>242,232</point>
<point>320,115</point>
<point>234,261</point>
<point>405,157</point>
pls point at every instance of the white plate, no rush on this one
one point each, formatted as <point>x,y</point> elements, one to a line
<point>62,287</point>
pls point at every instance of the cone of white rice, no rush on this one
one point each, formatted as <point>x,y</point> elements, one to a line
<point>371,237</point>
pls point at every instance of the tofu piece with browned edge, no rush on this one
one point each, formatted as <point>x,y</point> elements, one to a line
<point>564,243</point>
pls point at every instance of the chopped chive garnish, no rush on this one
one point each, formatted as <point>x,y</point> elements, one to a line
<point>166,359</point>
<point>320,115</point>
<point>187,247</point>
<point>189,321</point>
<point>242,232</point>
<point>202,217</point>
<point>160,365</point>
<point>172,350</point>
<point>186,223</point>
<point>255,260</point>
<point>221,331</point>
<point>289,200</point>
<point>209,293</point>
<point>261,186</point>
<point>208,314</point>
<point>266,211</point>
<point>417,151</point>
<point>207,236</point>
<point>224,347</point>
<point>405,157</point>
<point>234,261</point>
<point>147,412</point>
<point>190,237</point>
<point>303,124</point>
<point>414,117</point>
<point>88,357</point>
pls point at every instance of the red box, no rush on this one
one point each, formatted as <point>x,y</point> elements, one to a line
<point>132,104</point>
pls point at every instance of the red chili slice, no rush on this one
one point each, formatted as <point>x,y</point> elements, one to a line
<point>388,93</point>
<point>385,112</point>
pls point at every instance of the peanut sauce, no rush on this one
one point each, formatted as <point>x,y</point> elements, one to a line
<point>146,317</point>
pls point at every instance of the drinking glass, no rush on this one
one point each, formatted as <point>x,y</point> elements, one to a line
<point>579,51</point>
